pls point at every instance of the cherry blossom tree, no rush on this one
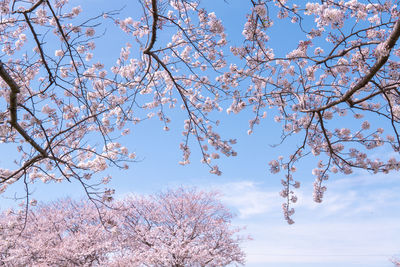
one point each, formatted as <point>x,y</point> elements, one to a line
<point>180,227</point>
<point>64,112</point>
<point>62,233</point>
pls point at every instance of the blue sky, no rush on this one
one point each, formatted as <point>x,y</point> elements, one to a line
<point>356,225</point>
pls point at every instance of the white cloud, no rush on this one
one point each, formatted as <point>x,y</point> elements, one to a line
<point>356,225</point>
<point>324,242</point>
<point>249,198</point>
<point>363,178</point>
<point>345,197</point>
<point>363,194</point>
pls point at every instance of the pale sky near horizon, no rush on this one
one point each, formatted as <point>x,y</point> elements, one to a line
<point>356,225</point>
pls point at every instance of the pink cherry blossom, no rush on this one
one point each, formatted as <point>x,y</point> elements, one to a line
<point>181,227</point>
<point>65,106</point>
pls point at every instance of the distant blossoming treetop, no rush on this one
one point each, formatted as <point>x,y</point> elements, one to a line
<point>64,112</point>
<point>178,228</point>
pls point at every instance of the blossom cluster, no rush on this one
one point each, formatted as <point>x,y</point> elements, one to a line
<point>181,227</point>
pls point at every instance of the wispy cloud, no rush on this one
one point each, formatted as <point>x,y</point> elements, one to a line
<point>249,198</point>
<point>356,225</point>
<point>324,242</point>
<point>357,195</point>
<point>364,194</point>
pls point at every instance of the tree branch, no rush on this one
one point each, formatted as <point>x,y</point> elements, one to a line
<point>390,43</point>
<point>15,90</point>
<point>153,28</point>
